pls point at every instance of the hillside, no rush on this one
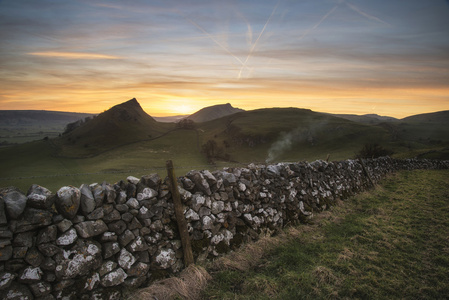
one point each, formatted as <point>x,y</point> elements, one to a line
<point>439,118</point>
<point>287,134</point>
<point>366,119</point>
<point>427,128</point>
<point>122,124</point>
<point>118,141</point>
<point>424,135</point>
<point>125,138</point>
<point>428,132</point>
<point>213,112</point>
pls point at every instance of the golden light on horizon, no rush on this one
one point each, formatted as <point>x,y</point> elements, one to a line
<point>394,102</point>
<point>334,57</point>
<point>182,109</point>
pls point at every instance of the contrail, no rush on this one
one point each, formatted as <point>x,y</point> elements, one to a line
<point>213,39</point>
<point>319,22</point>
<point>356,9</point>
<point>257,40</point>
<point>249,34</point>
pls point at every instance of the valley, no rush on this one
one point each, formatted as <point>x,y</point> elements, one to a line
<point>21,126</point>
<point>124,140</point>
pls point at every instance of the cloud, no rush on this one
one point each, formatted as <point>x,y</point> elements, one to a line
<point>298,54</point>
<point>74,55</point>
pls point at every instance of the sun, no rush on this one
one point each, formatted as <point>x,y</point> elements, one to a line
<point>183,109</point>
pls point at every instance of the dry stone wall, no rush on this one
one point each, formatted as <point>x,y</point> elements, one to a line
<point>95,241</point>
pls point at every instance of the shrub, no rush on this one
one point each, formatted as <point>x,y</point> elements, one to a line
<point>373,151</point>
<point>213,151</point>
<point>186,124</point>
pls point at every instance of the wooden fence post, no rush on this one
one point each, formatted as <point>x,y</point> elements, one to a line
<point>179,213</point>
<point>366,172</point>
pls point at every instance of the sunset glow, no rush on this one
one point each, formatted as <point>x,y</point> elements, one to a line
<point>176,57</point>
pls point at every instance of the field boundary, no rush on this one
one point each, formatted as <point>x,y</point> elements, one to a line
<point>106,237</point>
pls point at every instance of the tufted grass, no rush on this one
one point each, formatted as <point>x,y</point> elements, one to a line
<point>187,285</point>
<point>388,243</point>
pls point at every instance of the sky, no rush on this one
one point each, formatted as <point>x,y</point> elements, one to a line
<point>388,57</point>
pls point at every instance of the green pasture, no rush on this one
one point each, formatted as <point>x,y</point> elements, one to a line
<point>39,160</point>
<point>107,149</point>
<point>390,243</point>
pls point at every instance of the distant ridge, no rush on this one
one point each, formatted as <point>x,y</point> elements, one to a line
<point>214,112</point>
<point>171,119</point>
<point>439,117</point>
<point>21,126</point>
<point>366,119</point>
<point>37,117</point>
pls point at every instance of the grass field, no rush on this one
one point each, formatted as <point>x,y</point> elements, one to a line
<point>36,162</point>
<point>125,141</point>
<point>389,243</point>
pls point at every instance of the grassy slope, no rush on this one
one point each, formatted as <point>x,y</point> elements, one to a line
<point>252,137</point>
<point>440,117</point>
<point>389,243</point>
<point>423,135</point>
<point>37,159</point>
<point>422,139</point>
<point>121,125</point>
<point>290,134</point>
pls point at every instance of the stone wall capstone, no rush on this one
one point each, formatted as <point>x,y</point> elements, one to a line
<point>93,241</point>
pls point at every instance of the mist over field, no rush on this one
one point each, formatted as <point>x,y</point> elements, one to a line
<point>299,135</point>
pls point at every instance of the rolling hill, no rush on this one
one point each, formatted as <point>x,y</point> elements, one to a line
<point>438,118</point>
<point>366,119</point>
<point>427,132</point>
<point>288,134</point>
<point>203,115</point>
<point>125,139</point>
<point>213,112</point>
<point>423,135</point>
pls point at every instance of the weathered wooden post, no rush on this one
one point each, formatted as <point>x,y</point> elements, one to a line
<point>366,172</point>
<point>179,213</point>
